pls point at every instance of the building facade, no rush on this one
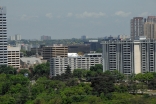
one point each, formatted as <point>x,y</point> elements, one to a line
<point>54,51</point>
<point>58,64</point>
<point>84,37</point>
<point>3,37</point>
<point>45,38</point>
<point>150,30</point>
<point>136,27</point>
<point>79,48</point>
<point>151,19</point>
<point>17,37</point>
<point>14,57</point>
<point>95,45</point>
<point>128,57</point>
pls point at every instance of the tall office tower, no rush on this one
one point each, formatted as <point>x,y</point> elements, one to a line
<point>137,24</point>
<point>3,37</point>
<point>151,19</point>
<point>150,30</point>
<point>128,57</point>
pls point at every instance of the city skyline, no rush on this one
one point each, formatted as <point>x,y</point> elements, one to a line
<point>72,19</point>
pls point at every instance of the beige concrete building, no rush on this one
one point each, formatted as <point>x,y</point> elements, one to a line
<point>151,19</point>
<point>150,30</point>
<point>14,57</point>
<point>54,51</point>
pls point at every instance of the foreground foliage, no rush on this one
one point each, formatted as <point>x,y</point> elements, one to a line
<point>80,87</point>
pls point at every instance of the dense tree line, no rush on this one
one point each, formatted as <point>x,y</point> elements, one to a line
<point>78,87</point>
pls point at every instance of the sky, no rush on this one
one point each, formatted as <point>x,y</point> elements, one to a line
<point>65,19</point>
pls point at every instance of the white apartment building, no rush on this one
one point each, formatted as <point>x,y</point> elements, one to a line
<point>138,56</point>
<point>3,36</point>
<point>14,57</point>
<point>58,64</point>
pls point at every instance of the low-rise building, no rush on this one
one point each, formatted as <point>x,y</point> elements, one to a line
<point>54,51</point>
<point>14,57</point>
<point>29,62</point>
<point>58,64</point>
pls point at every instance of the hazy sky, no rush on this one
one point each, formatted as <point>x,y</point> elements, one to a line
<point>63,19</point>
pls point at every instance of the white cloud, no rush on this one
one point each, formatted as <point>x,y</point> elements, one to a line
<point>69,14</point>
<point>49,15</point>
<point>144,14</point>
<point>90,14</point>
<point>26,17</point>
<point>122,14</point>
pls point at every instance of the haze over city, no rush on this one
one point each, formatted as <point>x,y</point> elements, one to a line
<point>73,18</point>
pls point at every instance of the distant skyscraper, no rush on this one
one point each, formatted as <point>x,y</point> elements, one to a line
<point>137,25</point>
<point>3,37</point>
<point>151,19</point>
<point>150,30</point>
<point>45,38</point>
<point>11,37</point>
<point>17,37</point>
<point>83,37</point>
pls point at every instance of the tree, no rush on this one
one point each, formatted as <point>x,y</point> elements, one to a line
<point>117,75</point>
<point>103,84</point>
<point>67,73</point>
<point>7,69</point>
<point>41,70</point>
<point>152,84</point>
<point>97,67</point>
<point>79,73</point>
<point>68,70</point>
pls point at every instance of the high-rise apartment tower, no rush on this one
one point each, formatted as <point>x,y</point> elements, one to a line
<point>3,37</point>
<point>137,25</point>
<point>151,19</point>
<point>150,30</point>
<point>129,57</point>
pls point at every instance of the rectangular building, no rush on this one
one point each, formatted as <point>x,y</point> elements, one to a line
<point>14,57</point>
<point>150,30</point>
<point>55,51</point>
<point>3,37</point>
<point>138,56</point>
<point>58,64</point>
<point>136,27</point>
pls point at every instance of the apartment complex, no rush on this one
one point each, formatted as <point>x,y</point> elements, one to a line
<point>54,51</point>
<point>3,36</point>
<point>58,64</point>
<point>127,56</point>
<point>14,57</point>
<point>137,25</point>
